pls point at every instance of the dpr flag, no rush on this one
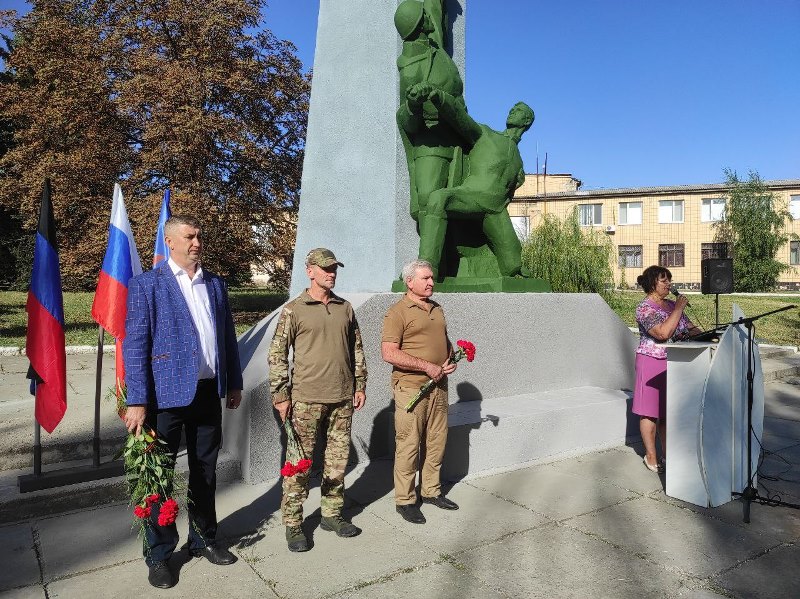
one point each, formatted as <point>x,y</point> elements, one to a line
<point>161,251</point>
<point>121,263</point>
<point>44,344</point>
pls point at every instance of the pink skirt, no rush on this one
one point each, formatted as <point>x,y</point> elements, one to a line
<point>650,391</point>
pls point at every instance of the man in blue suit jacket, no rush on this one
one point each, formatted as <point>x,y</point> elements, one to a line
<point>181,357</point>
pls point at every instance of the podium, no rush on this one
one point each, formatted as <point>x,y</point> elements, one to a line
<point>707,417</point>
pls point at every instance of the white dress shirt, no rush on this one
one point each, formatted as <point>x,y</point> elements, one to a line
<point>196,295</point>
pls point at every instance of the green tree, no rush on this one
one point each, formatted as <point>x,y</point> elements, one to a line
<point>572,258</point>
<point>190,95</point>
<point>754,225</point>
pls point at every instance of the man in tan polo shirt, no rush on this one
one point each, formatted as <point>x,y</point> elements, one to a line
<point>328,381</point>
<point>415,343</point>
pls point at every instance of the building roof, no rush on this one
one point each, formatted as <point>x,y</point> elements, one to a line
<point>639,191</point>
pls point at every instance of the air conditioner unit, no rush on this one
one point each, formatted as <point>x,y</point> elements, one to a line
<point>611,229</point>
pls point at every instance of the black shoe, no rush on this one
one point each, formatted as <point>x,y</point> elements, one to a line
<point>441,502</point>
<point>339,525</point>
<point>296,539</point>
<point>160,576</point>
<point>215,554</point>
<point>411,513</point>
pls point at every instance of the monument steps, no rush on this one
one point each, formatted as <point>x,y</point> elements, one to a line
<point>510,431</point>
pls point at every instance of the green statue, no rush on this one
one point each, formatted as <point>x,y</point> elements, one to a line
<point>495,172</point>
<point>432,147</point>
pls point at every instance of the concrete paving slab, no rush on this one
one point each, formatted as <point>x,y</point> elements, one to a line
<point>556,561</point>
<point>31,592</point>
<point>776,442</point>
<point>782,401</point>
<point>688,541</point>
<point>368,484</point>
<point>551,493</point>
<point>335,564</point>
<point>621,467</point>
<point>112,541</point>
<point>196,578</point>
<point>482,518</point>
<point>244,511</point>
<point>442,581</point>
<point>782,427</point>
<point>781,522</point>
<point>18,556</point>
<point>774,574</point>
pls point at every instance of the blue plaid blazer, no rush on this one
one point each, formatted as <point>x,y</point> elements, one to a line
<point>161,346</point>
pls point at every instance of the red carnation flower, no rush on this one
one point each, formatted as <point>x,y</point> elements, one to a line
<point>151,499</point>
<point>468,348</point>
<point>288,469</point>
<point>168,512</point>
<point>303,465</point>
<point>141,512</point>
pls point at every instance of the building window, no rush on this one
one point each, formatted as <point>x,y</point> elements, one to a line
<point>630,213</point>
<point>794,207</point>
<point>590,214</point>
<point>670,254</point>
<point>794,252</point>
<point>670,211</point>
<point>712,209</point>
<point>713,250</point>
<point>520,226</point>
<point>630,256</point>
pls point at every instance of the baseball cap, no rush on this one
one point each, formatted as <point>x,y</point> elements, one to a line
<point>322,257</point>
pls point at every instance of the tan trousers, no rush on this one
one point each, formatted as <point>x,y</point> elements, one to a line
<point>420,437</point>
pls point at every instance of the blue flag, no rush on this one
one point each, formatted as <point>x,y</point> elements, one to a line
<point>161,251</point>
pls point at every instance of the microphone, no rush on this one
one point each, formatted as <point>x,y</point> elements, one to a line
<point>674,291</point>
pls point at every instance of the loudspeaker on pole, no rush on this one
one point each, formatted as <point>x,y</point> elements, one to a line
<point>716,275</point>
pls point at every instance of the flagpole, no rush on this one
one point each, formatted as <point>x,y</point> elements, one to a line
<point>97,390</point>
<point>37,448</point>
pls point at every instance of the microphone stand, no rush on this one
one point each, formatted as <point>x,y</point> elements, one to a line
<point>750,492</point>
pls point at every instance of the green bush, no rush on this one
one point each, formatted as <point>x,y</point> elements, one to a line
<point>574,259</point>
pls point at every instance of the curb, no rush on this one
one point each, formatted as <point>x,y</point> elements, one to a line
<point>70,349</point>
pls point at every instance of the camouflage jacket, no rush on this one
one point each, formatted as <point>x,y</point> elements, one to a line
<point>328,355</point>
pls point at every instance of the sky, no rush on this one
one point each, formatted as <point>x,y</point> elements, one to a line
<point>627,93</point>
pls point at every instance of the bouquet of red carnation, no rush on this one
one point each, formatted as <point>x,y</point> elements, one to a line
<point>466,349</point>
<point>151,479</point>
<point>296,462</point>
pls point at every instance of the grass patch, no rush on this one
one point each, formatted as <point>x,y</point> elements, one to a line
<point>249,305</point>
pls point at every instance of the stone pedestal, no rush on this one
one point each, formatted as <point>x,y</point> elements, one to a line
<point>527,343</point>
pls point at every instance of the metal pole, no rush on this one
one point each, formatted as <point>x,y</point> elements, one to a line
<point>37,448</point>
<point>97,389</point>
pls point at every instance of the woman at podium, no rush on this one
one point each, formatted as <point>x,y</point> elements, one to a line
<point>659,320</point>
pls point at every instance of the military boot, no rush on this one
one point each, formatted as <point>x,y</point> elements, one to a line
<point>339,525</point>
<point>296,539</point>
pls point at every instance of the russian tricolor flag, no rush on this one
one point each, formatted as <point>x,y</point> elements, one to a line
<point>120,264</point>
<point>161,251</point>
<point>44,344</point>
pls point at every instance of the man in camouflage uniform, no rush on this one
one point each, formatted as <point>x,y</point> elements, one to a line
<point>328,380</point>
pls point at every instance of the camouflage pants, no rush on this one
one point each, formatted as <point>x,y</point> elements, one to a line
<point>307,418</point>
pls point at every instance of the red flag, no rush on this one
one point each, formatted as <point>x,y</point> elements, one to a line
<point>45,339</point>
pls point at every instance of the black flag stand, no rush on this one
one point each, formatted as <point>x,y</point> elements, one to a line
<point>76,474</point>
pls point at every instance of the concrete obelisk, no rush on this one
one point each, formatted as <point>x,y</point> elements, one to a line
<point>355,197</point>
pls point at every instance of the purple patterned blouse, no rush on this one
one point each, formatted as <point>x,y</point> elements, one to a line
<point>650,314</point>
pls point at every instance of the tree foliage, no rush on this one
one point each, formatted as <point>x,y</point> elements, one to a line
<point>572,258</point>
<point>754,225</point>
<point>181,94</point>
